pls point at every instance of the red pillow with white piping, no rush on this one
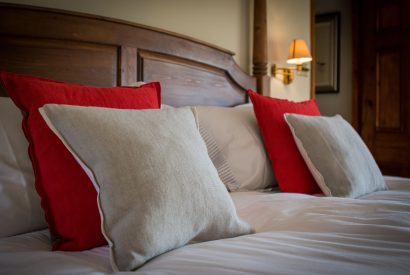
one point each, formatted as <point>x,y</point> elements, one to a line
<point>290,169</point>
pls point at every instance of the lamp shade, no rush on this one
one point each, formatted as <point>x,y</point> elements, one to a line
<point>298,52</point>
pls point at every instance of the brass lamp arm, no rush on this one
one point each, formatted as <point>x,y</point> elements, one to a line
<point>287,73</point>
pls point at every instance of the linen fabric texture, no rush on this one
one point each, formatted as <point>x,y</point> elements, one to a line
<point>288,165</point>
<point>67,195</point>
<point>158,189</point>
<point>336,155</point>
<point>235,147</point>
<point>20,209</point>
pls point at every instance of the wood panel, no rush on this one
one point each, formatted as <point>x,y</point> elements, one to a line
<point>179,78</point>
<point>388,15</point>
<point>100,51</point>
<point>128,65</point>
<point>388,91</point>
<point>73,62</point>
<point>383,82</point>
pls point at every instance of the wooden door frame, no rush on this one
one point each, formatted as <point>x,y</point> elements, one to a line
<point>356,87</point>
<point>312,49</point>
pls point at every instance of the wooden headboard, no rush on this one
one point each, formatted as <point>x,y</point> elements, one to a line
<point>94,50</point>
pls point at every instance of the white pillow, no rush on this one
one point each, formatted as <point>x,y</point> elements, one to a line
<point>236,147</point>
<point>336,155</point>
<point>20,208</point>
<point>158,189</point>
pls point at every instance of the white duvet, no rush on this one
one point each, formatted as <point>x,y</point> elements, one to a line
<point>296,234</point>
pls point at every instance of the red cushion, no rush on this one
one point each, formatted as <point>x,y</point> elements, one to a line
<point>67,195</point>
<point>290,169</point>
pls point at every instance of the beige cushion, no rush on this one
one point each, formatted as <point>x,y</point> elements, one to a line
<point>235,147</point>
<point>336,155</point>
<point>158,189</point>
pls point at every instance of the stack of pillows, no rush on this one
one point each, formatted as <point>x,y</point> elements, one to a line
<point>110,167</point>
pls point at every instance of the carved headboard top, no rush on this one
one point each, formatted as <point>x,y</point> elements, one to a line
<point>95,50</point>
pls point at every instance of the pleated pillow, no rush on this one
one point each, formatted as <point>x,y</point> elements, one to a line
<point>235,147</point>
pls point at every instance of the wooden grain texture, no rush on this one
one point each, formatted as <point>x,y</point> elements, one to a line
<point>100,51</point>
<point>356,115</point>
<point>128,65</point>
<point>70,61</point>
<point>389,15</point>
<point>388,90</point>
<point>383,88</point>
<point>312,50</point>
<point>260,47</point>
<point>209,84</point>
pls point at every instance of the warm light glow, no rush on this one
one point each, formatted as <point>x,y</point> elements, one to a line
<point>298,52</point>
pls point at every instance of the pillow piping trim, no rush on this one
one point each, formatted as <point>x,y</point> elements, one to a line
<point>91,175</point>
<point>315,172</point>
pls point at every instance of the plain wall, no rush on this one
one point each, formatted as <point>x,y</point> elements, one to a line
<point>222,23</point>
<point>341,102</point>
<point>288,20</point>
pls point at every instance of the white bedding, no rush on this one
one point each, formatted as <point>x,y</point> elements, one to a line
<point>296,234</point>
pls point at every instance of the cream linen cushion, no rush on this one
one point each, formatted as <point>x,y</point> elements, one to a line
<point>336,155</point>
<point>158,189</point>
<point>235,147</point>
<point>20,208</point>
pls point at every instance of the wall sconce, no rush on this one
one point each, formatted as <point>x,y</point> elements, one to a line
<point>298,55</point>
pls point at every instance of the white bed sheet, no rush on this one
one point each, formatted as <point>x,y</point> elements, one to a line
<point>296,234</point>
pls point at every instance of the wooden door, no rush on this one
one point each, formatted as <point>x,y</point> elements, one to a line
<point>384,82</point>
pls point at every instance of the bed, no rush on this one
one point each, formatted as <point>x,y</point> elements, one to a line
<point>299,234</point>
<point>293,233</point>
